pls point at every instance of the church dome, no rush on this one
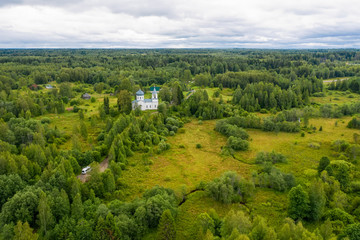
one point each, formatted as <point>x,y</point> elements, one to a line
<point>138,93</point>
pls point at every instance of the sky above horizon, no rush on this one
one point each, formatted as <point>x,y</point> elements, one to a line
<point>179,24</point>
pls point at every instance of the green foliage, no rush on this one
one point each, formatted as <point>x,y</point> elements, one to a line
<point>298,203</point>
<point>124,102</point>
<point>230,187</point>
<point>167,227</point>
<point>272,177</point>
<point>24,232</point>
<point>237,143</point>
<point>340,169</point>
<point>324,162</point>
<point>235,221</point>
<point>270,157</point>
<point>317,201</point>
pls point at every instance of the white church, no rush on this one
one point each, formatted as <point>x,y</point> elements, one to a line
<point>146,104</point>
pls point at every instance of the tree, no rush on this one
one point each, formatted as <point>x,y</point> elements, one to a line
<point>106,105</point>
<point>353,231</point>
<point>261,231</point>
<point>165,94</point>
<point>109,181</point>
<point>298,203</point>
<point>24,232</point>
<point>324,162</point>
<point>317,200</point>
<point>45,216</point>
<point>124,102</point>
<point>235,220</point>
<point>125,84</point>
<point>77,209</point>
<point>65,90</point>
<point>177,94</point>
<point>166,228</point>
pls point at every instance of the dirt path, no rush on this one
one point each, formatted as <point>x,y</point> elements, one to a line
<point>102,167</point>
<point>334,80</point>
<point>192,92</point>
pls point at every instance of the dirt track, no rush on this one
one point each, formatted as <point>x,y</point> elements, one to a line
<point>329,81</point>
<point>102,166</point>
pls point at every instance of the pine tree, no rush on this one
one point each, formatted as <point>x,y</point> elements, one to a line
<point>166,228</point>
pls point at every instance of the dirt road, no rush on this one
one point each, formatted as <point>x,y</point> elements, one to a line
<point>334,80</point>
<point>102,166</point>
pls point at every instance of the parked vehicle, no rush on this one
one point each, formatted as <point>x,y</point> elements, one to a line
<point>86,170</point>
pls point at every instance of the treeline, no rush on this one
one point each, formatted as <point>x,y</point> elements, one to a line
<point>272,123</point>
<point>147,67</point>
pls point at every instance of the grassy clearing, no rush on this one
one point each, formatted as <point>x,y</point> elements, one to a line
<point>336,97</point>
<point>184,164</point>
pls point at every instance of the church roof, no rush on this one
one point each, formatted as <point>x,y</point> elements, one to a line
<point>154,88</point>
<point>139,92</point>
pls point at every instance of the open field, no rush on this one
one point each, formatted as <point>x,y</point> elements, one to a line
<point>183,168</point>
<point>336,97</point>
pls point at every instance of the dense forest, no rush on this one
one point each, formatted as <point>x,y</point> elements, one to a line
<point>272,135</point>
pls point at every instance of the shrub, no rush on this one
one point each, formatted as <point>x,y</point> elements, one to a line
<point>237,143</point>
<point>198,145</point>
<point>354,123</point>
<point>231,130</point>
<point>45,120</point>
<point>314,145</point>
<point>338,214</point>
<point>93,99</point>
<point>272,157</point>
<point>163,146</point>
<point>230,188</point>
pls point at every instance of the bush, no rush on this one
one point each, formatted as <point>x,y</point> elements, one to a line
<point>314,145</point>
<point>231,130</point>
<point>338,214</point>
<point>272,157</point>
<point>45,120</point>
<point>354,123</point>
<point>163,146</point>
<point>198,145</point>
<point>230,188</point>
<point>93,99</point>
<point>237,143</point>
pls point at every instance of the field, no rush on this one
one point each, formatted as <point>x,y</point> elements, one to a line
<point>184,166</point>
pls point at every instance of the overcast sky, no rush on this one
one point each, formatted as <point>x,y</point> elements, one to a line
<point>179,24</point>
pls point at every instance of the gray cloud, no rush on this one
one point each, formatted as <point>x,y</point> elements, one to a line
<point>161,23</point>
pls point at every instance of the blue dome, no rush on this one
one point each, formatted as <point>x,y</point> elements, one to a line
<point>138,93</point>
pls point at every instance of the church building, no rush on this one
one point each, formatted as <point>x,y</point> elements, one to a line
<point>146,104</point>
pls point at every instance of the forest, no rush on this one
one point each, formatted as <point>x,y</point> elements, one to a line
<point>244,144</point>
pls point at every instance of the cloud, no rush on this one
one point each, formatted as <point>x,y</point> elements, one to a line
<point>161,23</point>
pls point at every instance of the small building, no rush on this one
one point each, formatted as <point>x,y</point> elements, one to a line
<point>146,104</point>
<point>86,96</point>
<point>48,86</point>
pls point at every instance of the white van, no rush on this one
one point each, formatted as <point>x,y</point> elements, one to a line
<point>86,170</point>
